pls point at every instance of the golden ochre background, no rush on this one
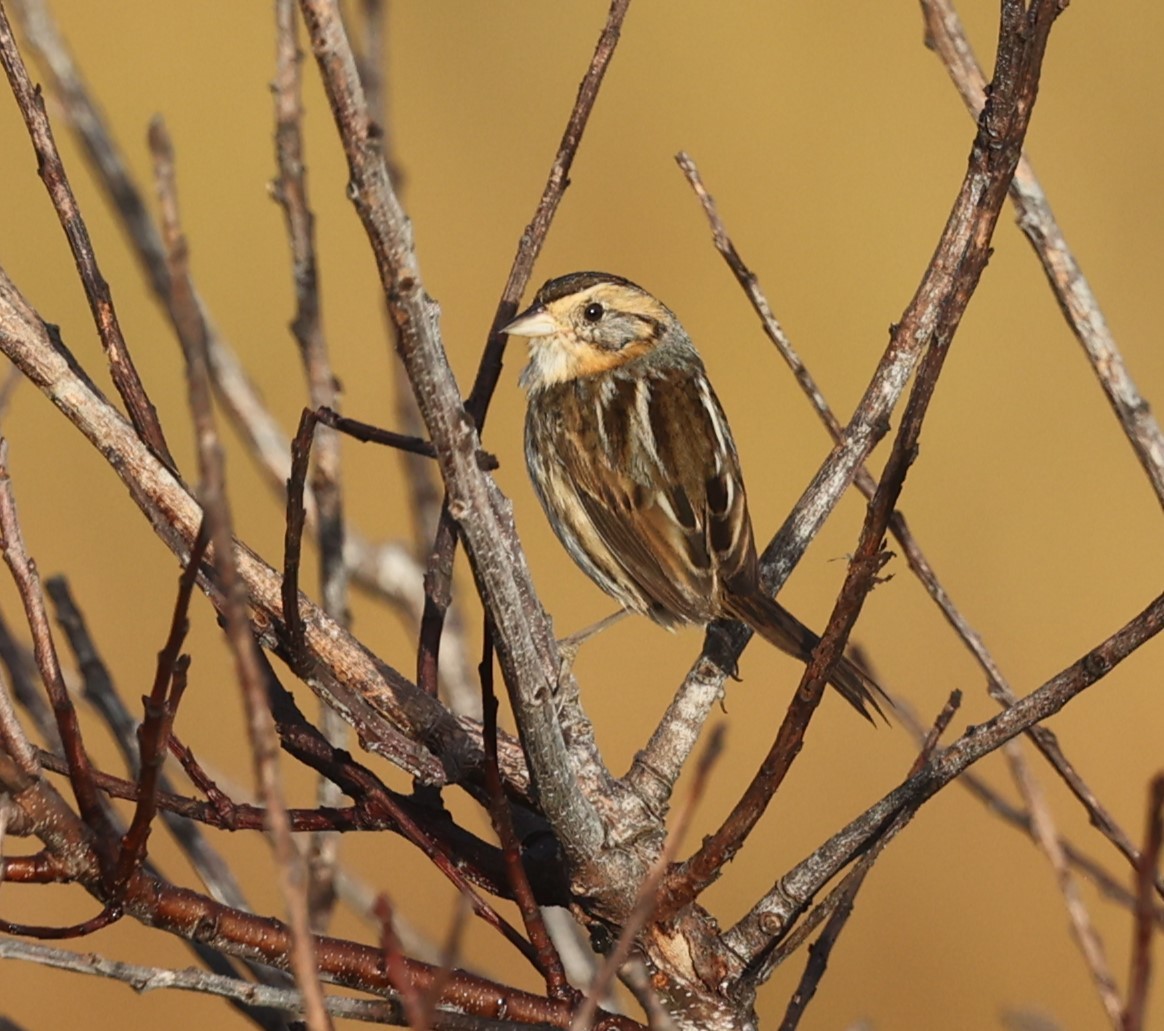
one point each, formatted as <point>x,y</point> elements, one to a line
<point>835,145</point>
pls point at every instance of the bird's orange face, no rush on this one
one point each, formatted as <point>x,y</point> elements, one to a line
<point>589,330</point>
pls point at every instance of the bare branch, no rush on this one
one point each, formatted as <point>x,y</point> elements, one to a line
<point>148,979</point>
<point>1082,928</point>
<point>1135,1013</point>
<point>919,564</point>
<point>386,568</point>
<point>141,410</point>
<point>370,694</point>
<point>946,37</point>
<point>191,330</point>
<point>27,580</point>
<point>772,916</point>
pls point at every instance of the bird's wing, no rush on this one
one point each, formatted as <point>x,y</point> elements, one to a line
<point>660,480</point>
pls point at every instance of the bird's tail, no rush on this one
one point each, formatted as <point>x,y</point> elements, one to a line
<point>780,627</point>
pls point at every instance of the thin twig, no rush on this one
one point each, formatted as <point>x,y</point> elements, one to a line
<point>145,979</point>
<point>191,330</point>
<point>27,580</point>
<point>704,866</point>
<point>838,906</point>
<point>690,878</point>
<point>1020,819</point>
<point>549,963</point>
<point>770,918</point>
<point>454,853</point>
<point>297,653</point>
<point>438,578</point>
<point>98,690</point>
<point>154,733</point>
<point>52,170</point>
<point>396,965</point>
<point>1047,837</point>
<point>1080,307</point>
<point>1135,1013</point>
<point>290,190</point>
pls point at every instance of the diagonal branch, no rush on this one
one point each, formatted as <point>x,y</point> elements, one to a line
<point>392,718</point>
<point>770,919</point>
<point>141,410</point>
<point>1080,307</point>
<point>384,568</point>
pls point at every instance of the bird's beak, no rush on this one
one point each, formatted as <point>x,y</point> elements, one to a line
<point>533,322</point>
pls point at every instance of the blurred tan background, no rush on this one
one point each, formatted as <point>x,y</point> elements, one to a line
<point>834,144</point>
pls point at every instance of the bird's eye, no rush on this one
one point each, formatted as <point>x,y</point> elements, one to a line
<point>593,312</point>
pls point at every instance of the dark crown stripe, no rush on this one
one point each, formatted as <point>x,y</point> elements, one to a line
<point>564,286</point>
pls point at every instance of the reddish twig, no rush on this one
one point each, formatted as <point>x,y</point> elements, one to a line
<point>161,706</point>
<point>704,866</point>
<point>296,643</point>
<point>687,881</point>
<point>1042,737</point>
<point>27,580</point>
<point>366,433</point>
<point>396,964</point>
<point>449,952</point>
<point>221,803</point>
<point>108,915</point>
<point>456,854</point>
<point>549,963</point>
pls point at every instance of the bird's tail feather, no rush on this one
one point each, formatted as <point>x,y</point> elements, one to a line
<point>781,628</point>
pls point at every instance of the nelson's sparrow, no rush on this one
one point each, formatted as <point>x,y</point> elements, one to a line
<point>633,461</point>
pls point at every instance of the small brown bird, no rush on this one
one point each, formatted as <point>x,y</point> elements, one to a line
<point>633,461</point>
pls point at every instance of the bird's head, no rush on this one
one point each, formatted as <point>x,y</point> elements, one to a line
<point>587,323</point>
